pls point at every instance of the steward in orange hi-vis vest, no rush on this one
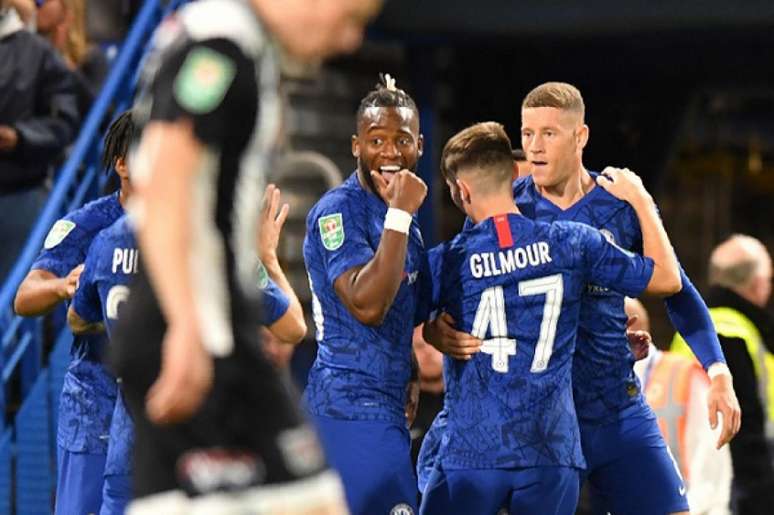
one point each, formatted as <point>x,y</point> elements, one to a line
<point>676,389</point>
<point>667,390</point>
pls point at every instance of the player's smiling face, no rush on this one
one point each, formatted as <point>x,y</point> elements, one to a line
<point>387,141</point>
<point>553,140</point>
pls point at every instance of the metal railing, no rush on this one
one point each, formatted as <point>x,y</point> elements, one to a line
<point>21,339</point>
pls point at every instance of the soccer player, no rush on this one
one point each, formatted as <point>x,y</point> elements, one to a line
<point>103,286</point>
<point>512,434</point>
<point>617,427</point>
<point>194,379</point>
<point>110,264</point>
<point>363,252</point>
<point>89,391</point>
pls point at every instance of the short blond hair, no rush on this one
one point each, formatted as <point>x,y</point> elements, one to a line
<point>560,95</point>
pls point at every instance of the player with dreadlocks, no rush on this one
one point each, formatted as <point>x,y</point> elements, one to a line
<point>89,391</point>
<point>363,253</point>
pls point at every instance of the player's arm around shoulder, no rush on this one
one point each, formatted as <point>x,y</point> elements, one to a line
<point>368,291</point>
<point>626,185</point>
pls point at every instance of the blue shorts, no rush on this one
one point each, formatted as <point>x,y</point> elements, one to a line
<point>374,461</point>
<point>543,490</point>
<point>428,452</point>
<point>116,494</point>
<point>630,469</point>
<point>79,482</point>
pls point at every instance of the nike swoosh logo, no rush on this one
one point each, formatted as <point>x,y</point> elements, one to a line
<point>682,491</point>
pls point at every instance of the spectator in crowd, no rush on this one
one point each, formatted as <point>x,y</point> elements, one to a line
<point>676,388</point>
<point>26,10</point>
<point>38,118</point>
<point>86,61</point>
<point>49,15</point>
<point>740,275</point>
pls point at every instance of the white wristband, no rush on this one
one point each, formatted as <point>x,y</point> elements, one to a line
<point>397,220</point>
<point>718,369</point>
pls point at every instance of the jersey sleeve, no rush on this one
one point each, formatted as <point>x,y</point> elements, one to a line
<point>428,281</point>
<point>611,266</point>
<point>435,264</point>
<point>687,311</point>
<point>691,318</point>
<point>63,248</point>
<point>342,238</point>
<point>86,301</point>
<point>275,302</point>
<point>211,83</point>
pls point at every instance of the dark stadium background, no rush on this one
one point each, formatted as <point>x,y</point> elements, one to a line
<point>680,92</point>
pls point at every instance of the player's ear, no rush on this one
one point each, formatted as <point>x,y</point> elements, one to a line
<point>355,146</point>
<point>464,191</point>
<point>420,145</point>
<point>121,168</point>
<point>582,136</point>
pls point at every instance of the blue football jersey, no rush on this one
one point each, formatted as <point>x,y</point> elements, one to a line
<point>603,379</point>
<point>110,264</point>
<point>89,390</point>
<point>517,285</point>
<point>360,372</point>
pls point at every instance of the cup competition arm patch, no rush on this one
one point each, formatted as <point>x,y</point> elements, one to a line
<point>58,233</point>
<point>203,80</point>
<point>331,231</point>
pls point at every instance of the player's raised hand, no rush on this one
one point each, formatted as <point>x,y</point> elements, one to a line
<point>442,335</point>
<point>406,191</point>
<point>639,340</point>
<point>622,183</point>
<point>186,377</point>
<point>722,398</point>
<point>70,283</point>
<point>272,220</point>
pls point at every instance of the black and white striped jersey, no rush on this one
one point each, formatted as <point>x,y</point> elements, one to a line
<point>214,64</point>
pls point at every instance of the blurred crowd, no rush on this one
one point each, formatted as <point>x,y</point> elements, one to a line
<point>54,56</point>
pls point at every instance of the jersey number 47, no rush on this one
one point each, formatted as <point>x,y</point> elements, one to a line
<point>491,318</point>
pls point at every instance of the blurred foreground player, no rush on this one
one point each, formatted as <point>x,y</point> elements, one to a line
<point>363,252</point>
<point>194,378</point>
<point>103,288</point>
<point>512,437</point>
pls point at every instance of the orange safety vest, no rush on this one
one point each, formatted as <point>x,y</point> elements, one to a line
<point>667,391</point>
